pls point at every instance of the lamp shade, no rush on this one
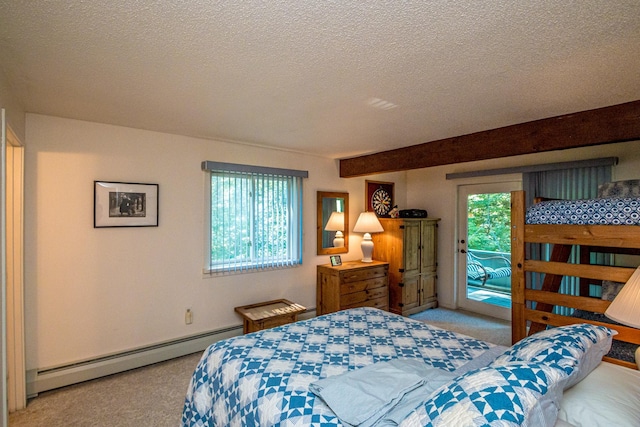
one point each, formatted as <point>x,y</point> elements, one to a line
<point>625,308</point>
<point>336,222</point>
<point>368,223</point>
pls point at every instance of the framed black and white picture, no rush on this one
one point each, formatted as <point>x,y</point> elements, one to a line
<point>335,260</point>
<point>125,204</point>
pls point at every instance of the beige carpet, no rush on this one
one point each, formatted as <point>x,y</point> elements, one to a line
<point>150,396</point>
<point>474,325</point>
<point>154,395</point>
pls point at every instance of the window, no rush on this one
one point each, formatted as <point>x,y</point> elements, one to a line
<point>255,218</point>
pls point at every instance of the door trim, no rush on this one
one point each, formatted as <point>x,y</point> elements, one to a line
<point>13,223</point>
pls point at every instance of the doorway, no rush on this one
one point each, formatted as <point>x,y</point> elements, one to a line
<point>484,248</point>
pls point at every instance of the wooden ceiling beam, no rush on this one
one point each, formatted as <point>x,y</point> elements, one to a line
<point>617,123</point>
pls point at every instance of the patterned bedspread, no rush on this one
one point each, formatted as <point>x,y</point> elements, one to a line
<point>603,211</point>
<point>263,378</point>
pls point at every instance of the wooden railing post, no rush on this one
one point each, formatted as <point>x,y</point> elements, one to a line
<point>518,330</point>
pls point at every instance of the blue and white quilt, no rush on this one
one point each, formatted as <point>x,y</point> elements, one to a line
<point>601,211</point>
<point>264,378</point>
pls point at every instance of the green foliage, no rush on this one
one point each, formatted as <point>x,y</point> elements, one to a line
<point>489,219</point>
<point>249,218</point>
<point>234,241</point>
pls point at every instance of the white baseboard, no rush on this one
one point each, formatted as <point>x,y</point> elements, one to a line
<point>39,380</point>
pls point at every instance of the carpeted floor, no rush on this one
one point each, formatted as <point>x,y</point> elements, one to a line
<point>149,396</point>
<point>474,325</point>
<point>153,396</point>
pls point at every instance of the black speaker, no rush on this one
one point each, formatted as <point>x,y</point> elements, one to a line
<point>413,213</point>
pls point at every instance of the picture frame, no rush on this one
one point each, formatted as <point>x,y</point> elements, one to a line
<point>335,260</point>
<point>125,204</point>
<point>379,197</point>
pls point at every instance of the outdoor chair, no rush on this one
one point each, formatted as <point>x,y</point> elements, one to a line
<point>477,268</point>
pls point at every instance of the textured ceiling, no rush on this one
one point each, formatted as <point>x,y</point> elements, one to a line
<point>302,75</point>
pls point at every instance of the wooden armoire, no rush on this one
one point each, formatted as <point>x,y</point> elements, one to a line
<point>410,248</point>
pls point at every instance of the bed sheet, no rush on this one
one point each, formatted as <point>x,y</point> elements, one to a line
<point>608,396</point>
<point>263,378</point>
<point>602,211</point>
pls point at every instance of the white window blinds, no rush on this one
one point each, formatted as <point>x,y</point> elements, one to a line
<point>255,219</point>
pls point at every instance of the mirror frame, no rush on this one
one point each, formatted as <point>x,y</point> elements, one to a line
<point>322,221</point>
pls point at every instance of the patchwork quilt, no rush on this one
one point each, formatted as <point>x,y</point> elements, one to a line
<point>263,378</point>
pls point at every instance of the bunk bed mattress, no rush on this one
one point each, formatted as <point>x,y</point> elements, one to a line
<point>264,378</point>
<point>600,211</point>
<point>619,349</point>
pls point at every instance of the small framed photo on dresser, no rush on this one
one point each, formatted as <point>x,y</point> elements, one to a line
<point>335,260</point>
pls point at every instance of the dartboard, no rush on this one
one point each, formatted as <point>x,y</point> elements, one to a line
<point>381,201</point>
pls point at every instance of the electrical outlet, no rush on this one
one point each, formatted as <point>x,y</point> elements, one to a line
<point>188,317</point>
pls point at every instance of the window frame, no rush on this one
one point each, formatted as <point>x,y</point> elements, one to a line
<point>295,201</point>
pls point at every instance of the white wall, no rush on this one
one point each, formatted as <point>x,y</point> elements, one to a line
<point>14,109</point>
<point>91,292</point>
<point>429,189</point>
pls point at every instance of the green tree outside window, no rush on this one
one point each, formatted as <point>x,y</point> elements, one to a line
<point>489,218</point>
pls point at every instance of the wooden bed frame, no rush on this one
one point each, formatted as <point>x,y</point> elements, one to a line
<point>599,238</point>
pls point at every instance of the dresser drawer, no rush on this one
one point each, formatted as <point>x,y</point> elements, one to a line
<point>360,297</point>
<point>363,285</point>
<point>357,275</point>
<point>381,303</point>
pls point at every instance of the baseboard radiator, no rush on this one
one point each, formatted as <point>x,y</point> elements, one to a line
<point>39,380</point>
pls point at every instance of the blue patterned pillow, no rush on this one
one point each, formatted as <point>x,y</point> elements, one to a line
<point>576,349</point>
<point>517,394</point>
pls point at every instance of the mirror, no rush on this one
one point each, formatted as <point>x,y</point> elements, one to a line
<point>329,225</point>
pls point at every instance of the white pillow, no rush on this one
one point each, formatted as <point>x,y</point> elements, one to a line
<point>608,396</point>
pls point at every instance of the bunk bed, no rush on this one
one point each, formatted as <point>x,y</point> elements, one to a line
<point>602,232</point>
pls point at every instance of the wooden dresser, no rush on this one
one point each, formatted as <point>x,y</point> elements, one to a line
<point>410,247</point>
<point>352,284</point>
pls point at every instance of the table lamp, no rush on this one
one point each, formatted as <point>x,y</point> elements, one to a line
<point>367,223</point>
<point>336,223</point>
<point>625,307</point>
